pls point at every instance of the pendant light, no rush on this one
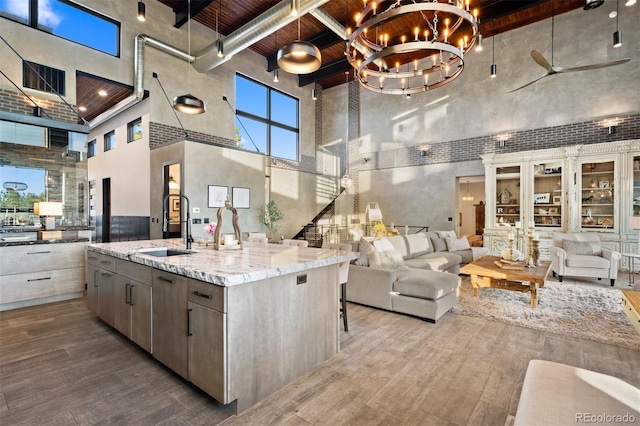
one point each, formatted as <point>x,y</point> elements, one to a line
<point>188,103</point>
<point>494,68</point>
<point>299,57</point>
<point>467,196</point>
<point>617,36</point>
<point>346,182</point>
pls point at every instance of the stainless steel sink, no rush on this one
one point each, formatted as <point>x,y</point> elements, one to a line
<point>164,252</point>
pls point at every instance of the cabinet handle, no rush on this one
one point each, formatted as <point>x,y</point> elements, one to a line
<point>131,295</point>
<point>127,300</point>
<point>206,296</point>
<point>91,257</point>
<point>167,280</point>
<point>39,252</point>
<point>105,274</point>
<point>189,322</point>
<point>105,262</point>
<point>38,279</point>
<point>95,280</point>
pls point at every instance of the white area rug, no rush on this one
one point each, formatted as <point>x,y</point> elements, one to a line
<point>579,310</point>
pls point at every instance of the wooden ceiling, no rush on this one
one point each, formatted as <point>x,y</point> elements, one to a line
<point>496,16</point>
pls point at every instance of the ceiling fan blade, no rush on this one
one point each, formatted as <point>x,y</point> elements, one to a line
<point>595,66</point>
<point>528,84</point>
<point>540,60</point>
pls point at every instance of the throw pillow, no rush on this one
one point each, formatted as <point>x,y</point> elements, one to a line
<point>366,251</point>
<point>455,244</point>
<point>438,244</point>
<point>447,234</point>
<point>390,259</point>
<point>587,248</point>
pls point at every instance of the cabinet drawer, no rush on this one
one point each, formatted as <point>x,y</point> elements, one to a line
<point>161,277</point>
<point>36,285</point>
<point>40,257</point>
<point>101,260</point>
<point>630,310</point>
<point>135,271</point>
<point>208,295</point>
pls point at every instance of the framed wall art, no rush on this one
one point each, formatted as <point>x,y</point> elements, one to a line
<point>217,195</point>
<point>240,197</point>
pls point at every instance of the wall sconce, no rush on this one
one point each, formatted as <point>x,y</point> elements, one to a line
<point>423,153</point>
<point>611,130</point>
<point>502,143</point>
<point>37,111</point>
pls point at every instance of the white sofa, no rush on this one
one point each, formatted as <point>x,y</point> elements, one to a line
<point>559,394</point>
<point>580,255</point>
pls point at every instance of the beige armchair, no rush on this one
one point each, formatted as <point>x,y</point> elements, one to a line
<point>580,255</point>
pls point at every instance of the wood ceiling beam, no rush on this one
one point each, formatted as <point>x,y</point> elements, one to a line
<point>338,66</point>
<point>182,12</point>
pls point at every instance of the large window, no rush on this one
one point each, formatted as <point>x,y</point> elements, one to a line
<point>266,120</point>
<point>134,130</point>
<point>68,20</point>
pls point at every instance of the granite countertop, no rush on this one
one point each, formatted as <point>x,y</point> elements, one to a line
<point>9,229</point>
<point>253,262</point>
<point>36,242</point>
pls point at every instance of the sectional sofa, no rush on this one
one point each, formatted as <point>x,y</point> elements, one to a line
<point>426,286</point>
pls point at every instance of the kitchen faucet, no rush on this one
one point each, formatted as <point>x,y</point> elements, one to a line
<point>188,239</point>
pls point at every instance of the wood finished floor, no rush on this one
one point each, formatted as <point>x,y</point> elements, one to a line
<point>59,365</point>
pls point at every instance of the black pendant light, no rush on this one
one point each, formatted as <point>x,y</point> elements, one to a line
<point>141,12</point>
<point>188,103</point>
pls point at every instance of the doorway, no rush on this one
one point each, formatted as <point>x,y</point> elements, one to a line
<point>172,186</point>
<point>471,205</point>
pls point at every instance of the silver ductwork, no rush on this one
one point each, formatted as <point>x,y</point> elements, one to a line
<point>138,75</point>
<point>252,32</point>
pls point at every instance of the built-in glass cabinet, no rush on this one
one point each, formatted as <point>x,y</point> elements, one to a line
<point>548,200</point>
<point>597,199</point>
<point>635,202</point>
<point>508,195</point>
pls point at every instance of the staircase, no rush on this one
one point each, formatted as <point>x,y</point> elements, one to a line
<point>321,229</point>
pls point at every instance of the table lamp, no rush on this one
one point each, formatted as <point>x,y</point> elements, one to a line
<point>634,223</point>
<point>49,210</point>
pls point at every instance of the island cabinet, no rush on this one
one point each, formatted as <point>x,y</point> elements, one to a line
<point>33,274</point>
<point>170,320</point>
<point>132,302</point>
<point>101,286</point>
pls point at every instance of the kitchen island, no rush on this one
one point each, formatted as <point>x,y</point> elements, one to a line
<point>239,324</point>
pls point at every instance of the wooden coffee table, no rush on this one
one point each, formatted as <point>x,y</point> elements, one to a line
<point>485,273</point>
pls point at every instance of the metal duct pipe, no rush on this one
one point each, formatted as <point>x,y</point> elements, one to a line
<point>138,74</point>
<point>253,31</point>
<point>331,23</point>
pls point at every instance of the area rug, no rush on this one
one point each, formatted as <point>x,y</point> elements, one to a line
<point>578,310</point>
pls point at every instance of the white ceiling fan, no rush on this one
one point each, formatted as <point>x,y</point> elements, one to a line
<point>552,69</point>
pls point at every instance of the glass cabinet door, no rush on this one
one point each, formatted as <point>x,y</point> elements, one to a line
<point>636,186</point>
<point>508,195</point>
<point>547,195</point>
<point>597,201</point>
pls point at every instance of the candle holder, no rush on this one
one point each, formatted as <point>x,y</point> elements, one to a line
<point>536,253</point>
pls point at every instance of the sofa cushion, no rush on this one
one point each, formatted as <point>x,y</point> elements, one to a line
<point>419,244</point>
<point>581,261</point>
<point>366,250</point>
<point>440,261</point>
<point>399,244</point>
<point>425,284</point>
<point>439,244</point>
<point>588,248</point>
<point>447,234</point>
<point>455,244</point>
<point>467,255</point>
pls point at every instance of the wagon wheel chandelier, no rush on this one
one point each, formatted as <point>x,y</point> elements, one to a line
<point>429,55</point>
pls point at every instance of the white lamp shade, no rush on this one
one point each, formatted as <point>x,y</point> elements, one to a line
<point>49,208</point>
<point>375,214</point>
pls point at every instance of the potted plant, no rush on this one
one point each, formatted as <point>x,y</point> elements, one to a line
<point>270,216</point>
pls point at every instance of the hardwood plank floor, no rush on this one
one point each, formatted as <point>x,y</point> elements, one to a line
<point>59,364</point>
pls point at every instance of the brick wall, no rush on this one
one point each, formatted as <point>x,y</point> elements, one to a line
<point>18,103</point>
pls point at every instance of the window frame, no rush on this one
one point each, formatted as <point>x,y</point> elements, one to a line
<point>92,148</point>
<point>130,134</point>
<point>108,138</point>
<point>32,21</point>
<point>268,120</point>
<point>29,67</point>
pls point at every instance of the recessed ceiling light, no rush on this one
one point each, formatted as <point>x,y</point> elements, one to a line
<point>102,93</point>
<point>82,108</point>
<point>613,14</point>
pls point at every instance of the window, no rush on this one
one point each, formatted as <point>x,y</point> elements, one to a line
<point>109,141</point>
<point>91,149</point>
<point>43,78</point>
<point>134,130</point>
<point>266,120</point>
<point>68,20</point>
